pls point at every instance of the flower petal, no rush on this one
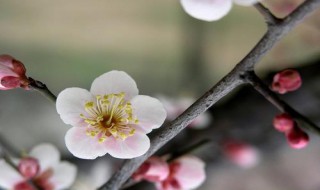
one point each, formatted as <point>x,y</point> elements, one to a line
<point>115,82</point>
<point>9,177</point>
<point>64,175</point>
<point>70,104</point>
<point>47,155</point>
<point>149,111</point>
<point>208,10</point>
<point>245,2</point>
<point>132,147</point>
<point>83,146</point>
<point>191,173</point>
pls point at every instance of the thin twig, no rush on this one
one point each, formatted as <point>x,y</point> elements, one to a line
<point>264,90</point>
<point>188,150</point>
<point>42,88</point>
<point>266,13</point>
<point>232,80</point>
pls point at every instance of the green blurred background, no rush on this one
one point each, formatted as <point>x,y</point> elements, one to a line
<point>70,43</point>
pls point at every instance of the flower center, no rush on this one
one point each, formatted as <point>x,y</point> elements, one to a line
<point>109,115</point>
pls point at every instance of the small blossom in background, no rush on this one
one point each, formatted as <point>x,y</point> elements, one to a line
<point>296,137</point>
<point>211,10</point>
<point>155,169</point>
<point>242,154</point>
<point>283,122</point>
<point>12,73</point>
<point>186,172</point>
<point>175,107</point>
<point>286,81</point>
<point>42,167</point>
<point>111,118</point>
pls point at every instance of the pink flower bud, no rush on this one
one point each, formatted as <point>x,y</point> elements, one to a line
<point>241,154</point>
<point>297,138</point>
<point>29,167</point>
<point>23,186</point>
<point>285,81</point>
<point>283,122</point>
<point>12,73</point>
<point>154,169</point>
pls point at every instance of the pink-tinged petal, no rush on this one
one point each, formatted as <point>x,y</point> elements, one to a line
<point>155,169</point>
<point>207,10</point>
<point>64,175</point>
<point>245,2</point>
<point>47,155</point>
<point>9,177</point>
<point>71,103</point>
<point>115,82</point>
<point>149,111</point>
<point>6,60</point>
<point>83,146</point>
<point>131,147</point>
<point>190,172</point>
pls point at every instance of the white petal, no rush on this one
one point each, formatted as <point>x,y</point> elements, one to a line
<point>132,147</point>
<point>64,175</point>
<point>9,177</point>
<point>191,173</point>
<point>149,111</point>
<point>245,2</point>
<point>208,10</point>
<point>83,146</point>
<point>70,104</point>
<point>115,82</point>
<point>47,155</point>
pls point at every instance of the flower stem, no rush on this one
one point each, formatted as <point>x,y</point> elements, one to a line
<point>42,88</point>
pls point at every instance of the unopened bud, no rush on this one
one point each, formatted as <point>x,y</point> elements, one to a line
<point>286,81</point>
<point>297,138</point>
<point>283,122</point>
<point>12,73</point>
<point>29,167</point>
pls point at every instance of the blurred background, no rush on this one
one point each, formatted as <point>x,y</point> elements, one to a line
<point>70,43</point>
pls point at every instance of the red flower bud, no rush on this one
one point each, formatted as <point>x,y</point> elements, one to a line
<point>29,167</point>
<point>283,122</point>
<point>12,73</point>
<point>285,81</point>
<point>297,138</point>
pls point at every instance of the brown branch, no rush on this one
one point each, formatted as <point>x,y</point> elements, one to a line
<point>266,13</point>
<point>221,89</point>
<point>264,90</point>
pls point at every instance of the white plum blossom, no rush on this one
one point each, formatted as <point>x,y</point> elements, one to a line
<point>52,174</point>
<point>211,10</point>
<point>111,118</point>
